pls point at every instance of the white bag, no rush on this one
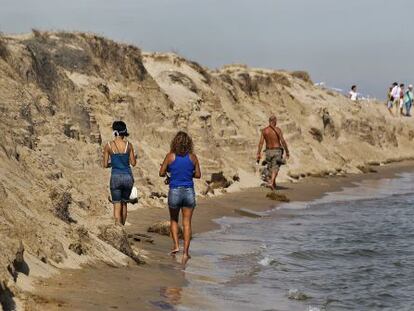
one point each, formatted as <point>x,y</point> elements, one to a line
<point>134,194</point>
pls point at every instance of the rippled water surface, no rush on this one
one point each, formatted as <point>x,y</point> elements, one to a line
<point>351,250</point>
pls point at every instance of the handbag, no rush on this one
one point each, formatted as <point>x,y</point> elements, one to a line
<point>133,197</point>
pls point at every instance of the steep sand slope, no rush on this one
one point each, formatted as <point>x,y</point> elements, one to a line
<point>60,93</point>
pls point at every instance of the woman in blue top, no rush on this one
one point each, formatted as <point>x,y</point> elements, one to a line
<point>182,165</point>
<point>122,156</point>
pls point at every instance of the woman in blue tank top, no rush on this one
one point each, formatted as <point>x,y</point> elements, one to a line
<point>182,166</point>
<point>122,156</point>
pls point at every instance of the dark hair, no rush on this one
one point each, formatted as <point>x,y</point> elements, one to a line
<point>395,84</point>
<point>182,144</point>
<point>402,85</point>
<point>353,87</point>
<point>120,128</point>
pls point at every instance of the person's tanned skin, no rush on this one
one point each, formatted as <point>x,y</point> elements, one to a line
<point>273,141</point>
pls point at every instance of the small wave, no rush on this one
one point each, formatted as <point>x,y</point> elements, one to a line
<point>263,246</point>
<point>364,252</point>
<point>398,264</point>
<point>294,206</point>
<point>307,254</point>
<point>313,308</point>
<point>296,294</point>
<point>267,261</point>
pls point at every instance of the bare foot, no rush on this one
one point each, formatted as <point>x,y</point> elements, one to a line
<point>266,185</point>
<point>185,259</point>
<point>174,251</point>
<point>272,187</point>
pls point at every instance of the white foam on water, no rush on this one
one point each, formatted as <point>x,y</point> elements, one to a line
<point>263,246</point>
<point>296,294</point>
<point>372,189</point>
<point>266,261</point>
<point>227,221</point>
<point>367,189</point>
<point>294,206</point>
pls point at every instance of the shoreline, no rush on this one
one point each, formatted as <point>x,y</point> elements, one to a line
<point>159,283</point>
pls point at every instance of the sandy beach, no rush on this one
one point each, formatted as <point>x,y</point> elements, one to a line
<point>159,283</point>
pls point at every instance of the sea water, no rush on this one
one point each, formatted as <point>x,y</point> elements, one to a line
<point>350,250</point>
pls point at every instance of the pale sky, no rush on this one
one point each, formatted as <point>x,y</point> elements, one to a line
<point>340,42</point>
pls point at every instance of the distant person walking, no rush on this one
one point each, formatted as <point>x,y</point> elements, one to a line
<point>181,166</point>
<point>401,103</point>
<point>276,146</point>
<point>122,156</point>
<point>408,100</point>
<point>390,97</point>
<point>353,94</point>
<point>395,96</point>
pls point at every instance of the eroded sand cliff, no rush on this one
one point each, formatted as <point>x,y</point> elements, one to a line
<point>60,93</point>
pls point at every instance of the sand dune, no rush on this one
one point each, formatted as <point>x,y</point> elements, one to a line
<point>60,93</point>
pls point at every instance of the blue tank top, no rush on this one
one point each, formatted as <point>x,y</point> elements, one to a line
<point>181,172</point>
<point>120,162</point>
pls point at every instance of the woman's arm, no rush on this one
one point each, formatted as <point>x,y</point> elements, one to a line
<point>197,170</point>
<point>164,166</point>
<point>132,158</point>
<point>106,154</point>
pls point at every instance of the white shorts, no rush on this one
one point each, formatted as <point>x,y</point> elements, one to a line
<point>401,103</point>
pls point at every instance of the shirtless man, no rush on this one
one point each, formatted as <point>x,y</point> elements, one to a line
<point>275,145</point>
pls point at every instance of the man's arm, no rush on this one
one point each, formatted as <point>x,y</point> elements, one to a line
<point>260,147</point>
<point>283,142</point>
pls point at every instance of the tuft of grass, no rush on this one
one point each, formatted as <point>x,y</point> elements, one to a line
<point>201,70</point>
<point>180,78</point>
<point>4,51</point>
<point>281,79</point>
<point>246,83</point>
<point>302,75</point>
<point>40,35</point>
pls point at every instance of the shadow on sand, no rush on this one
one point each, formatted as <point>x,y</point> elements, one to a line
<point>7,298</point>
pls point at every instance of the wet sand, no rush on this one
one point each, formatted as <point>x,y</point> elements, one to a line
<point>158,284</point>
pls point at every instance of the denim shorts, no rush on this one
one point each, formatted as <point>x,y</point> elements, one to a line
<point>121,186</point>
<point>181,197</point>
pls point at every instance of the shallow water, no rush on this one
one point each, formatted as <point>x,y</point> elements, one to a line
<point>350,250</point>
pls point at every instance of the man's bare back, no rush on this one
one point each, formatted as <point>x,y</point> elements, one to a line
<point>271,138</point>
